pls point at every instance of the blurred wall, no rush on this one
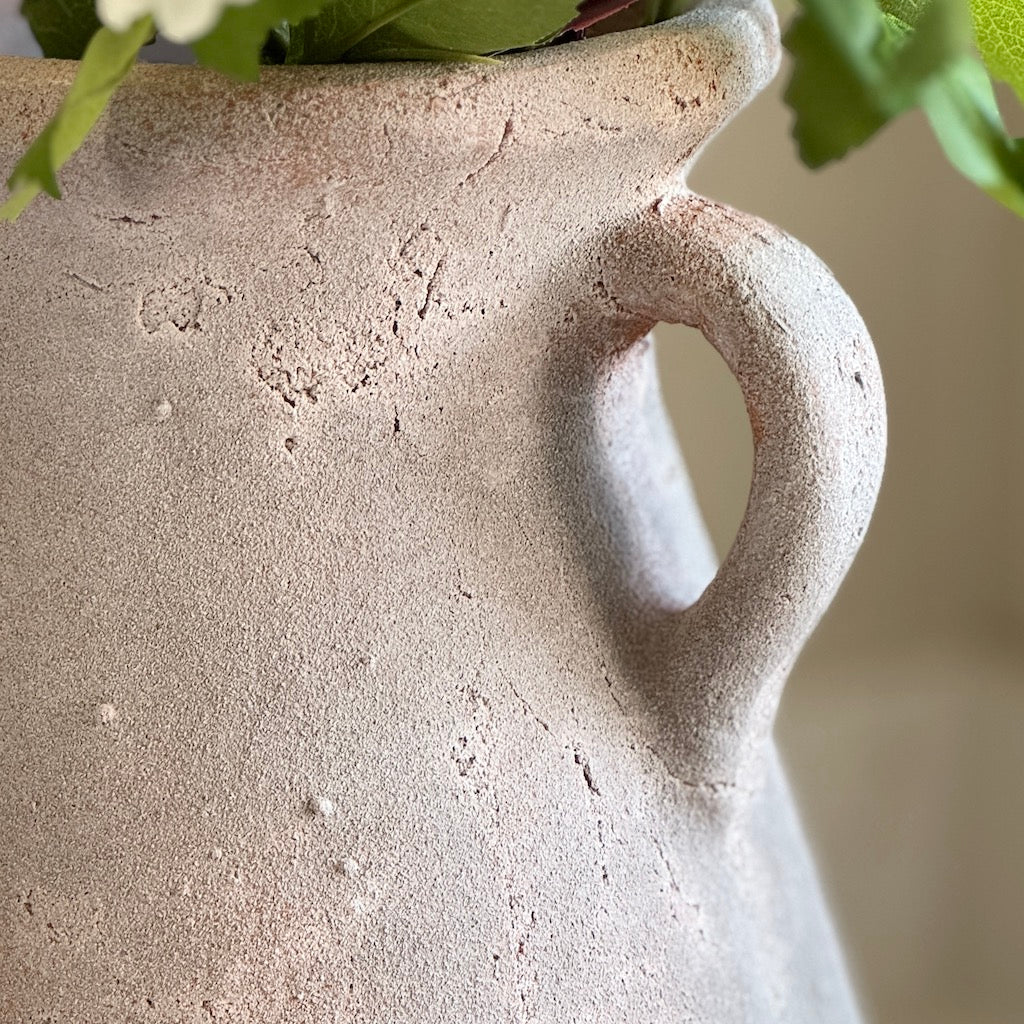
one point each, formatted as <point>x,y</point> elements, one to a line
<point>15,36</point>
<point>899,723</point>
<point>1012,280</point>
<point>936,270</point>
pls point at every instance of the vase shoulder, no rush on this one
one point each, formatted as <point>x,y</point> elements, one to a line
<point>668,87</point>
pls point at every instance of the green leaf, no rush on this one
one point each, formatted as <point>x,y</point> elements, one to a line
<point>235,45</point>
<point>106,63</point>
<point>335,34</point>
<point>928,46</point>
<point>999,30</point>
<point>964,115</point>
<point>62,28</point>
<point>340,26</point>
<point>907,11</point>
<point>856,68</point>
<point>832,89</point>
<point>412,53</point>
<point>670,9</point>
<point>641,12</point>
<point>471,26</point>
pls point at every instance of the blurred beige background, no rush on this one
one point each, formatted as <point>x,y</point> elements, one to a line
<point>902,722</point>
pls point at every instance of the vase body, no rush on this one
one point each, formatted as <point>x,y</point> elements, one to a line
<point>341,548</point>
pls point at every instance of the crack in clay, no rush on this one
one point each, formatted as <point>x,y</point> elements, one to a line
<point>431,287</point>
<point>714,787</point>
<point>420,249</point>
<point>516,518</point>
<point>316,279</point>
<point>403,249</point>
<point>522,928</point>
<point>139,152</point>
<point>395,326</point>
<point>528,709</point>
<point>668,866</point>
<point>503,144</point>
<point>88,282</point>
<point>127,218</point>
<point>461,588</point>
<point>469,755</point>
<point>604,850</point>
<point>614,696</point>
<point>588,775</point>
<point>679,901</point>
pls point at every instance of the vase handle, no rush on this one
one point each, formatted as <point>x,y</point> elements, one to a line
<point>811,382</point>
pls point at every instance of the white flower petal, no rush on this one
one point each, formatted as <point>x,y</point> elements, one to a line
<point>120,14</point>
<point>180,21</point>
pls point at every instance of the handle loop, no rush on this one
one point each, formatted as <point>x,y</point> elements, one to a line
<point>805,364</point>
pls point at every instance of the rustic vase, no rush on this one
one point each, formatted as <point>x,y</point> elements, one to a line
<point>362,656</point>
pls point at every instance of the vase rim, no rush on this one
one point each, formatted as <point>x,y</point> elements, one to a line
<point>704,13</point>
<point>654,95</point>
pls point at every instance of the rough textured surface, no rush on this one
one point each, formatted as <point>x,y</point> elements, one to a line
<point>350,663</point>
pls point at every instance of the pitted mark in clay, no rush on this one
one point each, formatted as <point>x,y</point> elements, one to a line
<point>181,304</point>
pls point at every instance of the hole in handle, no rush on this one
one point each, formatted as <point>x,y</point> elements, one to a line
<point>706,407</point>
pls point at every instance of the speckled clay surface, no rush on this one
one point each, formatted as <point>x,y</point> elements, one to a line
<point>350,671</point>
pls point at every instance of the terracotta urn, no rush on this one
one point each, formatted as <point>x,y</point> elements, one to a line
<point>363,659</point>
